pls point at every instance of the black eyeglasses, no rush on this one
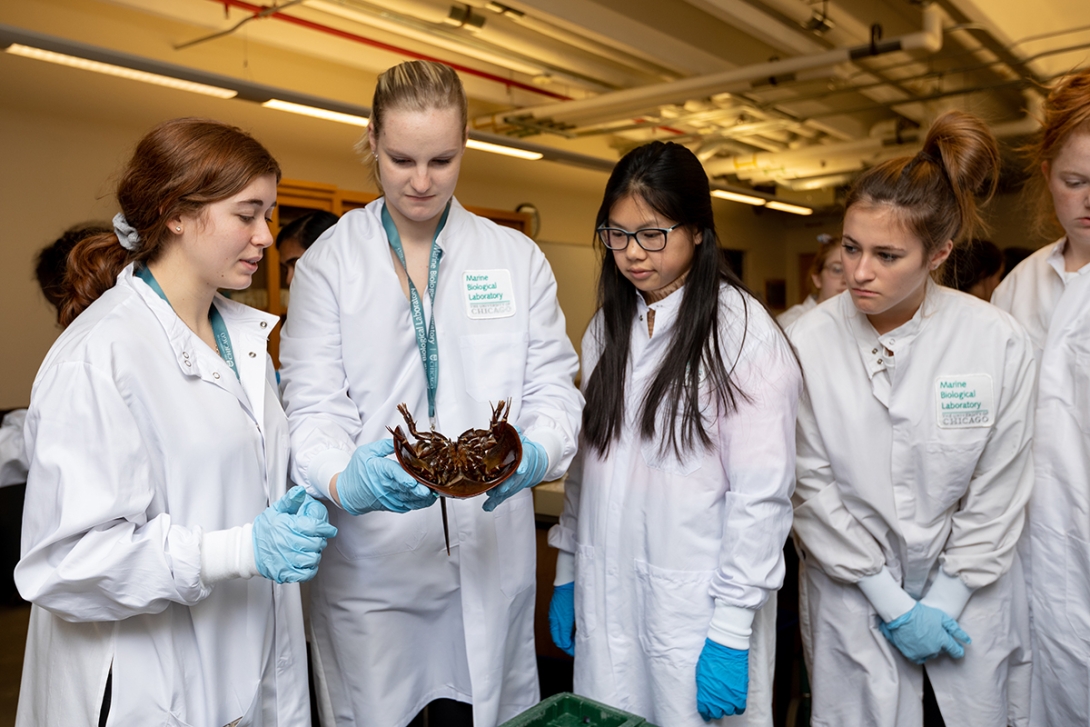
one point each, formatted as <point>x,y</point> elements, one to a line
<point>651,239</point>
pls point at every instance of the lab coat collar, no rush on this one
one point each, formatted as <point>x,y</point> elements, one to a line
<point>456,220</point>
<point>1056,260</point>
<point>878,352</point>
<point>668,304</point>
<point>249,329</point>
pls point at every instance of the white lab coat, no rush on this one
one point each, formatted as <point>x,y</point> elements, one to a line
<point>795,312</point>
<point>13,458</point>
<point>658,540</point>
<point>141,438</point>
<point>1054,306</point>
<point>396,621</point>
<point>882,482</point>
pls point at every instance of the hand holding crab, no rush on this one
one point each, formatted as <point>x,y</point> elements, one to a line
<point>497,460</point>
<point>531,471</point>
<point>371,482</point>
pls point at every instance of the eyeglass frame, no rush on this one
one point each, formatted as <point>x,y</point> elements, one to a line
<point>630,236</point>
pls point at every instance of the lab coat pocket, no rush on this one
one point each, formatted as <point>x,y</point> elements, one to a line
<point>948,468</point>
<point>673,610</point>
<point>493,365</point>
<point>380,533</point>
<point>586,619</point>
<point>515,533</point>
<point>667,461</point>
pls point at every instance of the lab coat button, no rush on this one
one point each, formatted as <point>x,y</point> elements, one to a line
<point>185,355</point>
<point>874,350</point>
<point>253,355</point>
<point>879,360</point>
<point>215,374</point>
<point>264,324</point>
<point>187,363</point>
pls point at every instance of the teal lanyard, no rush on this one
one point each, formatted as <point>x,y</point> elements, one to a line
<point>425,334</point>
<point>219,328</point>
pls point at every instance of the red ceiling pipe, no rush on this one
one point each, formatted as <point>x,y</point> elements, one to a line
<point>264,10</point>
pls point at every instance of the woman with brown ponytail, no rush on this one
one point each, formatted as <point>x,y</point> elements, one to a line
<point>157,443</point>
<point>913,463</point>
<point>1049,293</point>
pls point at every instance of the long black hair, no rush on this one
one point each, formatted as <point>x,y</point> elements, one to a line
<point>671,180</point>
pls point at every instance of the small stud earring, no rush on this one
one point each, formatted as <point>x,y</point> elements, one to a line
<point>179,229</point>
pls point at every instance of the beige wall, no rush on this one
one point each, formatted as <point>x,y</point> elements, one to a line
<point>58,170</point>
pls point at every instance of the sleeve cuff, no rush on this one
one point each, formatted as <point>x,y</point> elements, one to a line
<point>228,554</point>
<point>553,444</point>
<point>886,595</point>
<point>731,626</point>
<point>949,594</point>
<point>562,538</point>
<point>565,568</point>
<point>324,466</point>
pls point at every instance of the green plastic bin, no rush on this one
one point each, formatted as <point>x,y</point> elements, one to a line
<point>568,710</point>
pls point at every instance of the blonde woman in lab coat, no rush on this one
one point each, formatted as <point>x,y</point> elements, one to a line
<point>157,443</point>
<point>415,300</point>
<point>1049,293</point>
<point>678,506</point>
<point>914,461</point>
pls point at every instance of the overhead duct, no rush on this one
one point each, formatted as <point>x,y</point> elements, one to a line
<point>633,101</point>
<point>830,160</point>
<point>486,37</point>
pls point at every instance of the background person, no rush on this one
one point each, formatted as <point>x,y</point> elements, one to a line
<point>914,464</point>
<point>14,463</point>
<point>974,267</point>
<point>157,444</point>
<point>1049,293</point>
<point>678,506</point>
<point>826,280</point>
<point>389,308</point>
<point>297,236</point>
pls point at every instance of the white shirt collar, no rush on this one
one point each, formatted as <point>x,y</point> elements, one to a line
<point>1056,260</point>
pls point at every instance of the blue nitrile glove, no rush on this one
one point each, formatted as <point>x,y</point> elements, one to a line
<point>722,681</point>
<point>562,617</point>
<point>289,537</point>
<point>924,633</point>
<point>371,482</point>
<point>531,471</point>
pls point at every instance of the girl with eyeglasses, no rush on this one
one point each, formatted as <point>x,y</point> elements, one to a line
<point>677,507</point>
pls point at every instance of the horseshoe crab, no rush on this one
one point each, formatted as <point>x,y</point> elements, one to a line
<point>473,464</point>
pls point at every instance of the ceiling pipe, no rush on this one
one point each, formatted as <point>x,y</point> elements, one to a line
<point>491,38</point>
<point>583,43</point>
<point>633,101</point>
<point>831,159</point>
<point>508,82</point>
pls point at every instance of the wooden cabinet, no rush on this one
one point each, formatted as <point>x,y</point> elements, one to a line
<point>295,198</point>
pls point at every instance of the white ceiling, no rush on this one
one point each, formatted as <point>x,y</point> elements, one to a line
<point>809,129</point>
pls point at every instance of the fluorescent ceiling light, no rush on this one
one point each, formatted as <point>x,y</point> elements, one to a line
<point>792,208</point>
<point>506,150</point>
<point>120,71</point>
<point>735,197</point>
<point>298,108</point>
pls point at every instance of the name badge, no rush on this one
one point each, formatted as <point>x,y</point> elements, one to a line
<point>489,294</point>
<point>965,401</point>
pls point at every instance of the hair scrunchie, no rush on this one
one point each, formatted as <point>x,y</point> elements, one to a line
<point>126,233</point>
